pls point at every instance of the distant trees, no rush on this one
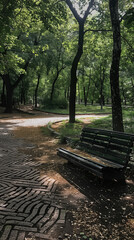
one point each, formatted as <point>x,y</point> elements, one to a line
<point>24,21</point>
<point>41,41</point>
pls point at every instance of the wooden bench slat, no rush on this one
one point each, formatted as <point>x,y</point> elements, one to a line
<point>106,144</point>
<point>127,143</point>
<point>102,162</point>
<point>111,152</point>
<point>77,158</point>
<point>110,133</point>
<point>98,170</point>
<point>101,153</point>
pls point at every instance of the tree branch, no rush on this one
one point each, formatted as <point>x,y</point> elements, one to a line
<point>76,15</point>
<point>88,9</point>
<point>127,42</point>
<point>73,10</point>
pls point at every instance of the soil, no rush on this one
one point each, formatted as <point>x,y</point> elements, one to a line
<point>95,210</point>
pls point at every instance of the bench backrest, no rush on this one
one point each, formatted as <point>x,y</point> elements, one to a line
<point>111,145</point>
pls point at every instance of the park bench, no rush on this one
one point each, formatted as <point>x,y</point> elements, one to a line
<point>110,152</point>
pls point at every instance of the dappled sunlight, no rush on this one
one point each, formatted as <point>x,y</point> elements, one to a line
<point>4,133</point>
<point>130,222</point>
<point>93,206</point>
<point>128,198</point>
<point>129,181</point>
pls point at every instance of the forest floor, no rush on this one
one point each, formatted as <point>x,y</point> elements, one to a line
<point>94,210</point>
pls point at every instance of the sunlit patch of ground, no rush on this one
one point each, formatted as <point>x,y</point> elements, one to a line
<point>95,211</point>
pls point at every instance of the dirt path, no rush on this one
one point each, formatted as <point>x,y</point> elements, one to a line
<point>81,206</point>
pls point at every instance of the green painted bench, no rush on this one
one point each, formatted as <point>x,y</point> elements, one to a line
<point>110,152</point>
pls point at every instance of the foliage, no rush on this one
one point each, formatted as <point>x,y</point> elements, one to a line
<point>45,34</point>
<point>60,103</point>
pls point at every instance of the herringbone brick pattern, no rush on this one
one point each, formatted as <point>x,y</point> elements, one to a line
<point>29,204</point>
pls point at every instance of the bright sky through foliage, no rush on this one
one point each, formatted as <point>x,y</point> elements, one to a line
<point>80,6</point>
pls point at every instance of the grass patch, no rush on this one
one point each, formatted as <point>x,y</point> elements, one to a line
<point>81,109</point>
<point>128,117</point>
<point>104,123</point>
<point>74,130</point>
<point>55,110</point>
<point>92,109</point>
<point>71,129</point>
<point>67,129</point>
<point>45,131</point>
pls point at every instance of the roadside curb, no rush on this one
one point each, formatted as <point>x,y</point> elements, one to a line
<point>25,112</point>
<point>66,139</point>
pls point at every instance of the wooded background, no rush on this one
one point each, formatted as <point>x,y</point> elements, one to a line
<point>57,52</point>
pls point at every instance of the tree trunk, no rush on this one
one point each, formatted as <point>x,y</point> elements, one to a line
<point>102,78</point>
<point>132,91</point>
<point>36,90</point>
<point>9,93</point>
<point>3,96</point>
<point>22,94</point>
<point>73,81</point>
<point>10,87</point>
<point>85,97</point>
<point>53,85</point>
<point>117,119</point>
<point>73,74</point>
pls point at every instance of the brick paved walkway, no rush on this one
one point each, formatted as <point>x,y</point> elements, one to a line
<point>32,207</point>
<point>29,205</point>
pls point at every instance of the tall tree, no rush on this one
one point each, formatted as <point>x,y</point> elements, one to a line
<point>81,21</point>
<point>117,119</point>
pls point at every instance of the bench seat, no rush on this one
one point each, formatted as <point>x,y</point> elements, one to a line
<point>109,153</point>
<point>102,168</point>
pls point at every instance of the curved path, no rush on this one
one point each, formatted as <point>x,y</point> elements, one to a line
<point>33,208</point>
<point>30,207</point>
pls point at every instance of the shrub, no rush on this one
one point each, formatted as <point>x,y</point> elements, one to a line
<point>55,103</point>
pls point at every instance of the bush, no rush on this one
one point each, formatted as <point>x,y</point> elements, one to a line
<point>55,103</point>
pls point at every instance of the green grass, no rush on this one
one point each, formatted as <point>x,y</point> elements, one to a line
<point>71,129</point>
<point>45,131</point>
<point>56,110</point>
<point>106,122</point>
<point>81,109</point>
<point>128,116</point>
<point>74,130</point>
<point>92,109</point>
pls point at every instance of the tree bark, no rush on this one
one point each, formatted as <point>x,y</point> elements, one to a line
<point>102,78</point>
<point>132,91</point>
<point>81,22</point>
<point>56,77</point>
<point>3,96</point>
<point>73,81</point>
<point>10,87</point>
<point>9,93</point>
<point>36,90</point>
<point>117,120</point>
